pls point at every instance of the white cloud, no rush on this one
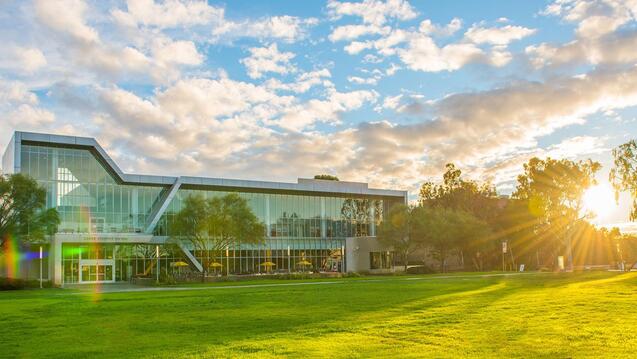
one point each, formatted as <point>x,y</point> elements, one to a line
<point>393,68</point>
<point>168,14</point>
<point>385,46</point>
<point>423,54</point>
<point>614,48</point>
<point>153,55</point>
<point>303,82</point>
<point>305,115</point>
<point>392,102</point>
<point>66,16</point>
<point>420,51</point>
<point>350,32</point>
<point>267,59</point>
<point>497,35</point>
<point>429,28</point>
<point>200,100</point>
<point>363,81</point>
<point>29,117</point>
<point>577,146</point>
<point>20,59</point>
<point>285,28</point>
<point>356,47</point>
<point>181,52</point>
<point>372,11</point>
<point>15,92</point>
<point>594,18</point>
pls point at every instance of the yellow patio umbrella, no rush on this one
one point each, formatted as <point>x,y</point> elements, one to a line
<point>268,265</point>
<point>178,264</point>
<point>304,263</point>
<point>216,266</point>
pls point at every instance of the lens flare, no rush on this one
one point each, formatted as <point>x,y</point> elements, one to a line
<point>599,200</point>
<point>11,257</point>
<point>94,247</point>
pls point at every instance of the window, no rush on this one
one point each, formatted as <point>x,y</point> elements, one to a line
<point>380,260</point>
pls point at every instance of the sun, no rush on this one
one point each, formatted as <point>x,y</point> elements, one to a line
<point>599,199</point>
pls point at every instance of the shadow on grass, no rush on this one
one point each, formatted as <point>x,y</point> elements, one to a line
<point>361,315</point>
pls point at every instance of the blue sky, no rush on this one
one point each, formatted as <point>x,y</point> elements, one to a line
<point>384,92</point>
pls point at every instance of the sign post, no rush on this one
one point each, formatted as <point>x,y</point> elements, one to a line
<point>289,268</point>
<point>40,267</point>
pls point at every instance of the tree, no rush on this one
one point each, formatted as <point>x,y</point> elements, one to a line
<point>326,177</point>
<point>476,201</point>
<point>23,212</point>
<point>214,224</point>
<point>553,190</point>
<point>456,193</point>
<point>445,230</point>
<point>356,213</point>
<point>623,175</point>
<point>396,231</point>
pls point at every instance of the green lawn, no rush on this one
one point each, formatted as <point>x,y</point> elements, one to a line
<point>535,315</point>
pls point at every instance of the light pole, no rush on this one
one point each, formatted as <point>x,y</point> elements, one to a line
<point>157,255</point>
<point>289,268</point>
<point>227,261</point>
<point>40,266</point>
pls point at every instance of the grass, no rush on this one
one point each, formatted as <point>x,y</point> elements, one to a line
<point>536,315</point>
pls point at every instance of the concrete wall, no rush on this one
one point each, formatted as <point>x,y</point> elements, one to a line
<point>357,251</point>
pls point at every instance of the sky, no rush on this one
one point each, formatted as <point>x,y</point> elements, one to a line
<point>384,92</point>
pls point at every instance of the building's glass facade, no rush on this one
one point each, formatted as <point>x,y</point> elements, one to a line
<point>301,227</point>
<point>86,196</point>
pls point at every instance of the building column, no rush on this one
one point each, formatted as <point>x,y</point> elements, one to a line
<point>372,215</point>
<point>323,219</point>
<point>55,261</point>
<point>267,215</point>
<point>135,209</point>
<point>54,175</point>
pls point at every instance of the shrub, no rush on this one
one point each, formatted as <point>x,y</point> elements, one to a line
<point>421,269</point>
<point>16,283</point>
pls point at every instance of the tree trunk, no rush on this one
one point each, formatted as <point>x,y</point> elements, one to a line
<point>405,260</point>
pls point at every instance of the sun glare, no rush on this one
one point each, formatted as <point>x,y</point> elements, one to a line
<point>599,200</point>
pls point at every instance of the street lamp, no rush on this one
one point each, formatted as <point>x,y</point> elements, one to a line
<point>289,268</point>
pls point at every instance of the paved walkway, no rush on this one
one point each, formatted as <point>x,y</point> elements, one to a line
<point>126,287</point>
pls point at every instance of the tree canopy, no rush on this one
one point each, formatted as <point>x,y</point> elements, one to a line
<point>445,230</point>
<point>23,212</point>
<point>326,177</point>
<point>623,175</point>
<point>456,193</point>
<point>396,231</point>
<point>553,190</point>
<point>216,223</point>
<point>454,216</point>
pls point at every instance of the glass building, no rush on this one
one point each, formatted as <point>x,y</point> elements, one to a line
<point>116,226</point>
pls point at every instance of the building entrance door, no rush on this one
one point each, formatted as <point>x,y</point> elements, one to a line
<point>97,271</point>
